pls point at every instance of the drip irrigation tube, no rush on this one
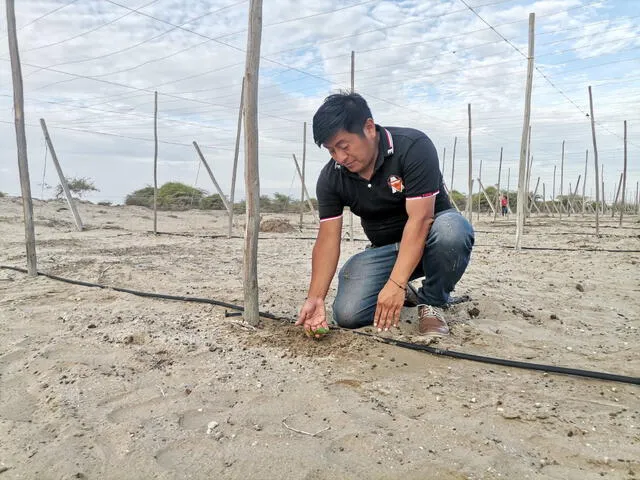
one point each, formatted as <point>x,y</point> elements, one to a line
<point>390,341</point>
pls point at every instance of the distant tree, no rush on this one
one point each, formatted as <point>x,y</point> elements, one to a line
<point>78,186</point>
<point>2,194</point>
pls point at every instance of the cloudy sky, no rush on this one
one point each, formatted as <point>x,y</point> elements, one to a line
<point>91,67</point>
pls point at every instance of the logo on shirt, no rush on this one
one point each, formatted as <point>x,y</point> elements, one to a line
<point>395,183</point>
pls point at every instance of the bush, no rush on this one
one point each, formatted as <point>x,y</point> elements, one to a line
<point>212,202</point>
<point>104,204</point>
<point>171,196</point>
<point>2,194</point>
<point>78,186</point>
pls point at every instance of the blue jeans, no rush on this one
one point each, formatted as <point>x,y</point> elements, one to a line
<point>445,258</point>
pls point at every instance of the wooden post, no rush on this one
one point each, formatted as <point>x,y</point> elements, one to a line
<point>304,161</point>
<point>532,197</point>
<point>624,173</point>
<point>252,176</point>
<point>595,159</point>
<point>306,192</point>
<point>584,181</point>
<point>544,200</point>
<point>604,203</point>
<point>444,156</point>
<point>637,198</point>
<point>574,194</point>
<point>523,142</point>
<point>63,180</point>
<point>155,163</point>
<point>562,180</point>
<point>498,195</point>
<point>479,187</point>
<point>615,201</point>
<point>453,161</point>
<point>470,191</point>
<point>486,196</point>
<point>21,141</point>
<point>528,174</point>
<point>353,89</point>
<point>449,195</point>
<point>235,160</point>
<point>213,179</point>
<point>508,186</point>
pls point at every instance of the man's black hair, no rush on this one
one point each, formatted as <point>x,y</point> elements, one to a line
<point>340,111</point>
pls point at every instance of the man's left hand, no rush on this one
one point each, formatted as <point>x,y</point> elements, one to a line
<point>390,302</point>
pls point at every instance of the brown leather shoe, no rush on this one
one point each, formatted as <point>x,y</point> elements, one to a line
<point>431,321</point>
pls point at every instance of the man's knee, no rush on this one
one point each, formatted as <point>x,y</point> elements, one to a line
<point>453,235</point>
<point>349,314</point>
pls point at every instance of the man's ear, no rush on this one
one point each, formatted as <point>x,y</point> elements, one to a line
<point>370,128</point>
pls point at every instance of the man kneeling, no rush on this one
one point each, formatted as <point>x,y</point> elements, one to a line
<point>390,177</point>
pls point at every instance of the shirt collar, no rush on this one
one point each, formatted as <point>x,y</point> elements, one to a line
<point>385,149</point>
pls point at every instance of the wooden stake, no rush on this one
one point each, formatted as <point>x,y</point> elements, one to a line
<point>584,182</point>
<point>353,89</point>
<point>479,187</point>
<point>532,198</point>
<point>615,201</point>
<point>528,182</point>
<point>304,161</point>
<point>155,163</point>
<point>213,179</point>
<point>449,195</point>
<point>444,156</point>
<point>235,160</point>
<point>252,176</point>
<point>486,196</point>
<point>498,195</point>
<point>637,198</point>
<point>544,200</point>
<point>604,203</point>
<point>306,192</point>
<point>624,173</point>
<point>508,186</point>
<point>562,180</point>
<point>453,162</point>
<point>595,159</point>
<point>470,194</point>
<point>63,179</point>
<point>574,194</point>
<point>523,142</point>
<point>21,141</point>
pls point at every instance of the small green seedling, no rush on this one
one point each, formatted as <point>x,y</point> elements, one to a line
<point>320,331</point>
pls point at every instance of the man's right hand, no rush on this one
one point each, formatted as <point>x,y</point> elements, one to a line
<point>313,316</point>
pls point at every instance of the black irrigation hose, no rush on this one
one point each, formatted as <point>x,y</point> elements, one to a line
<point>399,343</point>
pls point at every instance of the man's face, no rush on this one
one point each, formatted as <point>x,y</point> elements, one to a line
<point>354,152</point>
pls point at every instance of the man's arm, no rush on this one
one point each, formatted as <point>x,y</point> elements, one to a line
<point>414,236</point>
<point>324,262</point>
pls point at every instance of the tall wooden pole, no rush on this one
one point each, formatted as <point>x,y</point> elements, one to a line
<point>306,192</point>
<point>235,160</point>
<point>63,179</point>
<point>604,203</point>
<point>523,142</point>
<point>624,173</point>
<point>21,141</point>
<point>637,198</point>
<point>562,180</point>
<point>508,186</point>
<point>584,180</point>
<point>615,200</point>
<point>252,176</point>
<point>155,162</point>
<point>444,156</point>
<point>353,89</point>
<point>498,195</point>
<point>453,162</point>
<point>479,187</point>
<point>213,179</point>
<point>595,159</point>
<point>470,183</point>
<point>304,161</point>
<point>528,175</point>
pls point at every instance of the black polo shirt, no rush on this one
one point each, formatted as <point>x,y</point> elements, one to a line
<point>407,168</point>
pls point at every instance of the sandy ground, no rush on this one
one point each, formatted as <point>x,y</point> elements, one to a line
<point>97,384</point>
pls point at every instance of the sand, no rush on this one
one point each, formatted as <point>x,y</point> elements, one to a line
<point>99,384</point>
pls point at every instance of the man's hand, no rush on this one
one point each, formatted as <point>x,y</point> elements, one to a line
<point>313,316</point>
<point>390,302</point>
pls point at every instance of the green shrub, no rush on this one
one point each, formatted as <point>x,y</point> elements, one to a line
<point>78,186</point>
<point>171,196</point>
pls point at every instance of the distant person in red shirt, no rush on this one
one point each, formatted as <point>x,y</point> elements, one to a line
<point>504,203</point>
